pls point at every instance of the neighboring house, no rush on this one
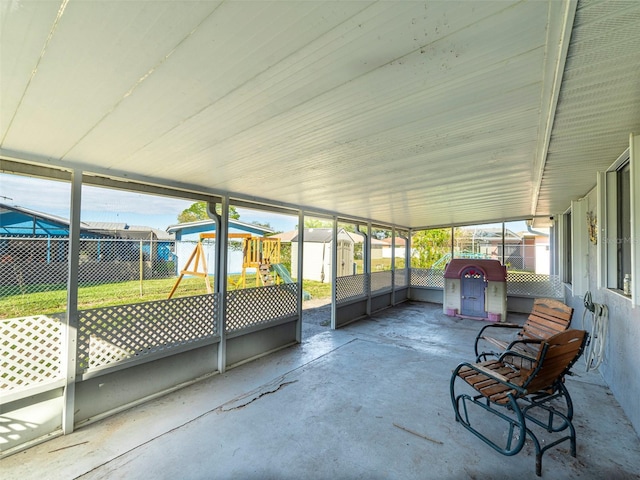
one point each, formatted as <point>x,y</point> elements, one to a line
<point>488,243</point>
<point>31,235</point>
<point>318,244</point>
<point>528,251</point>
<point>387,247</point>
<point>537,252</point>
<point>35,245</point>
<point>192,230</point>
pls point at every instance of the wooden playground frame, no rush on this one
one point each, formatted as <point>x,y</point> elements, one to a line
<point>257,252</point>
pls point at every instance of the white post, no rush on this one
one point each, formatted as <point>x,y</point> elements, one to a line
<point>71,334</point>
<point>334,271</point>
<point>222,245</point>
<point>299,273</point>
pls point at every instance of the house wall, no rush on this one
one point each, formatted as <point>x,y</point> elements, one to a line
<point>622,346</point>
<point>387,251</point>
<point>529,253</point>
<point>543,258</point>
<point>184,250</point>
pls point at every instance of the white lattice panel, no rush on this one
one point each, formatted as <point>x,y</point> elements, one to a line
<point>352,286</point>
<point>427,277</point>
<point>256,306</point>
<point>31,351</point>
<point>381,281</point>
<point>111,334</point>
<point>103,352</point>
<point>534,285</point>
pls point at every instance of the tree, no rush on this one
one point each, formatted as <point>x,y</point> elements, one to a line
<point>262,224</point>
<point>198,211</point>
<point>429,246</point>
<point>317,223</point>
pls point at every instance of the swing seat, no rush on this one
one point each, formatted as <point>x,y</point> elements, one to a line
<point>521,398</point>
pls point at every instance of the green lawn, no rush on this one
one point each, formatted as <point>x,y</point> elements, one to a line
<point>55,301</point>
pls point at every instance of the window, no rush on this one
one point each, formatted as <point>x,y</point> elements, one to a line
<point>619,231</point>
<point>623,207</point>
<point>618,238</point>
<point>567,274</point>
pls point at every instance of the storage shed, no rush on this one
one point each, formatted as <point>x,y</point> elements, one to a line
<point>316,264</point>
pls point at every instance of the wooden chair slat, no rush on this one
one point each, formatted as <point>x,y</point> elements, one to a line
<point>560,311</point>
<point>554,314</point>
<point>551,304</point>
<point>546,322</point>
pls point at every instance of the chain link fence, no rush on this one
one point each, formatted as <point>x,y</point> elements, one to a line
<point>34,272</point>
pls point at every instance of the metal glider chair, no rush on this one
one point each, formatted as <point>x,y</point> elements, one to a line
<point>521,396</point>
<point>547,318</point>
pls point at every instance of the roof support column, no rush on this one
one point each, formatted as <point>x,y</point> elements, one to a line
<point>220,272</point>
<point>299,274</point>
<point>393,266</point>
<point>503,242</point>
<point>407,259</point>
<point>367,265</point>
<point>71,334</point>
<point>453,232</point>
<point>334,271</point>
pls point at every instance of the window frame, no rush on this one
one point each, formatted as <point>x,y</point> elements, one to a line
<point>567,247</point>
<point>609,231</point>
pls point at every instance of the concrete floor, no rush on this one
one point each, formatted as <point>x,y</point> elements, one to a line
<point>370,401</point>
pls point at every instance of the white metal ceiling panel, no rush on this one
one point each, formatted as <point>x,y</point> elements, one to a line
<point>97,53</point>
<point>411,113</point>
<point>24,30</point>
<point>599,103</point>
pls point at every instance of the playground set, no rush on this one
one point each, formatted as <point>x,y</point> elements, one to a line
<point>259,253</point>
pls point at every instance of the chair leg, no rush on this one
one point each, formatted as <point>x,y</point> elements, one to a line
<point>516,423</point>
<point>566,424</point>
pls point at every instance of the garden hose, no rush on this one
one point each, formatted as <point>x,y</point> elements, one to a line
<point>594,351</point>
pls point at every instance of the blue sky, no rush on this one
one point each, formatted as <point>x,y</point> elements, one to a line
<point>107,205</point>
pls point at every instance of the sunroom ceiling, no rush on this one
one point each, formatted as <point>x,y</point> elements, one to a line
<point>407,113</point>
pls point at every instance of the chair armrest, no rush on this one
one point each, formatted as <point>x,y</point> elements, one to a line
<point>524,341</point>
<point>517,354</point>
<point>498,325</point>
<point>492,325</point>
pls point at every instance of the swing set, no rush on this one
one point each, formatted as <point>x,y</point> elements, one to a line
<point>258,253</point>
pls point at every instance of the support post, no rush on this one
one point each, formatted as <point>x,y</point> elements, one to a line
<point>299,273</point>
<point>367,266</point>
<point>334,272</point>
<point>407,260</point>
<point>393,266</point>
<point>222,245</point>
<point>504,244</point>
<point>71,333</point>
